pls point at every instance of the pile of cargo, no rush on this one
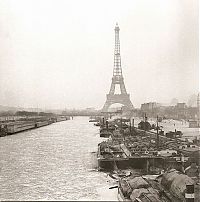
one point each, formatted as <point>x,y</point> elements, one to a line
<point>170,186</point>
<point>175,182</point>
<point>110,150</point>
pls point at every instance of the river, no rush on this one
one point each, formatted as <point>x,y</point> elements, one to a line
<point>53,163</point>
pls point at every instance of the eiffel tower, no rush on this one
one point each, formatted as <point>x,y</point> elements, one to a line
<point>117,79</point>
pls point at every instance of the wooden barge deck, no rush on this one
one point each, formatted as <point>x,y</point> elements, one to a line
<point>169,156</point>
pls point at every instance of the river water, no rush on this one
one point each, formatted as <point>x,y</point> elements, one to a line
<point>52,163</point>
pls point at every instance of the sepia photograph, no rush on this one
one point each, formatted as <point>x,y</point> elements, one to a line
<point>99,100</point>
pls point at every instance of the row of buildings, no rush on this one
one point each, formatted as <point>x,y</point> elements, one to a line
<point>179,111</point>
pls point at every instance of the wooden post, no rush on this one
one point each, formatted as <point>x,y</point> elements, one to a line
<point>106,125</point>
<point>147,166</point>
<point>189,194</point>
<point>145,119</point>
<point>133,123</point>
<point>103,121</point>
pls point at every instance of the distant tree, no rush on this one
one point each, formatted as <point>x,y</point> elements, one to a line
<point>64,113</point>
<point>7,113</point>
<point>45,114</point>
<point>26,113</point>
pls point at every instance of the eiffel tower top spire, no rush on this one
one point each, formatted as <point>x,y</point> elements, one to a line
<point>117,71</point>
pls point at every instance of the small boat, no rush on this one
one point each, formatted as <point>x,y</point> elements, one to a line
<point>106,134</point>
<point>176,134</point>
<point>97,124</point>
<point>119,174</point>
<point>93,120</point>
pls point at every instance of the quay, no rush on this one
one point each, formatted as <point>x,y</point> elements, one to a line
<point>9,127</point>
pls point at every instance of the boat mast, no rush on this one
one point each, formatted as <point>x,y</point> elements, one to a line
<point>157,134</point>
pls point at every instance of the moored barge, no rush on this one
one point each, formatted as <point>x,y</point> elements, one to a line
<point>171,186</point>
<point>9,128</point>
<point>153,154</point>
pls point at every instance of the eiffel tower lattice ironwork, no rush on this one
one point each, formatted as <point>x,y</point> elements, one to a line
<point>117,79</point>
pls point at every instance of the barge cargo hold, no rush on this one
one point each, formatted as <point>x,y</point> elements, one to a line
<point>105,134</point>
<point>138,152</point>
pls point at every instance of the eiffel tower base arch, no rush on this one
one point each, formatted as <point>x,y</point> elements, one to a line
<point>123,99</point>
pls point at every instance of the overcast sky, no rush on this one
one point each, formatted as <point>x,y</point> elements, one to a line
<point>57,54</point>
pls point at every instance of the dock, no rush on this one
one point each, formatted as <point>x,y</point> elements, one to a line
<point>16,126</point>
